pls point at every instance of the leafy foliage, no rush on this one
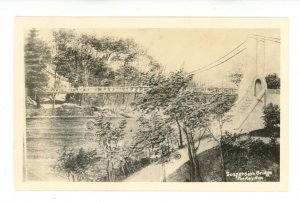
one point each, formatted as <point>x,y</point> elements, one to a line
<point>154,138</point>
<point>74,59</point>
<point>37,56</point>
<point>273,81</point>
<point>163,94</point>
<point>220,104</point>
<point>271,116</point>
<point>90,61</point>
<point>243,153</point>
<point>109,138</point>
<point>236,78</point>
<point>172,97</point>
<point>163,90</point>
<point>75,164</point>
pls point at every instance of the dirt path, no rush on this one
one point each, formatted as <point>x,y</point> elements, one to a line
<point>153,172</point>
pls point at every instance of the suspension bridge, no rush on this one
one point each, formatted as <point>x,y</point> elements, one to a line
<point>253,58</point>
<point>256,58</point>
<point>134,90</point>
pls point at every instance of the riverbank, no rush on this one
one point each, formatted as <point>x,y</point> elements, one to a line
<point>249,160</point>
<point>75,111</point>
<point>45,137</point>
<point>55,117</point>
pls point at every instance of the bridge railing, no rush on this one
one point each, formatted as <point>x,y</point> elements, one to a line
<point>272,91</point>
<point>133,89</point>
<point>211,90</point>
<point>104,89</point>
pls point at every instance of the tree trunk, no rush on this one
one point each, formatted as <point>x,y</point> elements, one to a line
<point>223,174</point>
<point>164,172</point>
<point>123,170</point>
<point>198,170</point>
<point>192,169</point>
<point>194,163</point>
<point>80,101</point>
<point>53,103</point>
<point>197,163</point>
<point>112,172</point>
<point>190,158</point>
<point>38,102</point>
<point>180,135</point>
<point>108,172</point>
<point>54,88</point>
<point>123,98</point>
<point>128,167</point>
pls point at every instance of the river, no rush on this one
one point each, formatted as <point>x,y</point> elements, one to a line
<point>46,136</point>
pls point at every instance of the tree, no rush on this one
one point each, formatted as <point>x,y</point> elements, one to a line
<point>37,56</point>
<point>192,114</point>
<point>236,78</point>
<point>74,59</point>
<point>109,138</point>
<point>58,60</point>
<point>154,76</point>
<point>86,60</point>
<point>273,81</point>
<point>163,90</point>
<point>220,104</point>
<point>113,52</point>
<point>155,138</point>
<point>271,116</point>
<point>75,164</point>
<point>181,106</point>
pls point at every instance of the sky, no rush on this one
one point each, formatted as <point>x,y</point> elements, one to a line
<point>189,48</point>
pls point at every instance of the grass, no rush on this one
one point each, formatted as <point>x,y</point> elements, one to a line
<point>242,155</point>
<point>265,133</point>
<point>85,111</point>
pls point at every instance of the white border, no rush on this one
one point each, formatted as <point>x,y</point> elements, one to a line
<point>22,23</point>
<point>269,8</point>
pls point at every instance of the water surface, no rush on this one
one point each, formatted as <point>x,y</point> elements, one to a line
<point>46,136</point>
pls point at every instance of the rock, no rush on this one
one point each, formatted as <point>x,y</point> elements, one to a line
<point>70,106</point>
<point>30,101</point>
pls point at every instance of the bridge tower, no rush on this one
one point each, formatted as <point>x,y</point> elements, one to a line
<point>254,81</point>
<point>259,81</point>
<point>248,109</point>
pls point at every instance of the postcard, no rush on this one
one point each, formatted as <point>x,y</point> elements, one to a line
<point>151,104</point>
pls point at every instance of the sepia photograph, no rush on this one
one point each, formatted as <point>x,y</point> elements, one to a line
<point>123,102</point>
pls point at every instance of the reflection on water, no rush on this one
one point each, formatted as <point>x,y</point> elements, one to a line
<point>46,136</point>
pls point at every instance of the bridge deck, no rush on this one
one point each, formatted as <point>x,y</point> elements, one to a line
<point>131,90</point>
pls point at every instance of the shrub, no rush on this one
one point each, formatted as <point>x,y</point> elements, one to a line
<point>75,165</point>
<point>271,116</point>
<point>245,154</point>
<point>273,81</point>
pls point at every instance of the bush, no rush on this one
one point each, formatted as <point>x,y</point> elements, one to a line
<point>246,154</point>
<point>240,149</point>
<point>242,154</point>
<point>273,81</point>
<point>271,116</point>
<point>264,132</point>
<point>75,165</point>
